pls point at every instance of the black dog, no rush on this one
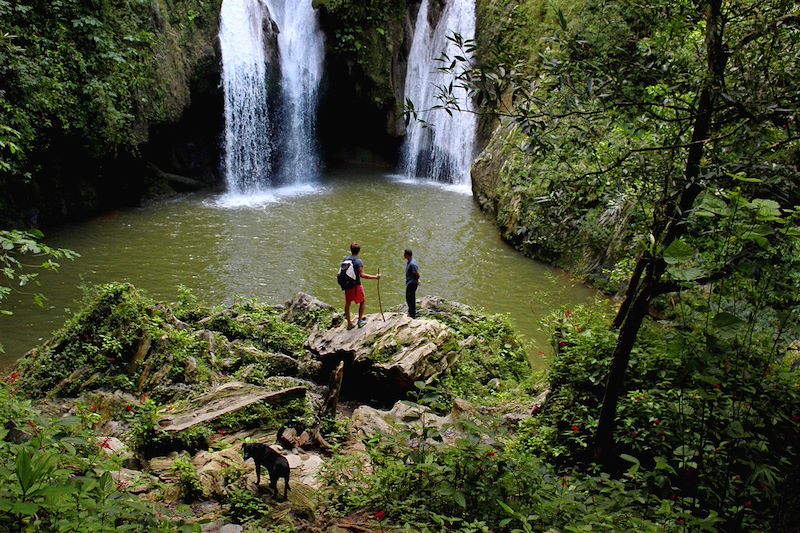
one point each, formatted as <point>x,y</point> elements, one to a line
<point>276,464</point>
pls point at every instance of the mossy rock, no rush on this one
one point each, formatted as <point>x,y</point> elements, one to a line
<point>259,324</point>
<point>94,347</point>
<point>230,407</point>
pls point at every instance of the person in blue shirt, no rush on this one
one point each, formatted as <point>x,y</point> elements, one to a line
<point>412,282</point>
<point>356,294</point>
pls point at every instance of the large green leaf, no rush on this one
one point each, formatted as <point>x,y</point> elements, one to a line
<point>24,470</point>
<point>767,209</point>
<point>685,273</point>
<point>711,205</point>
<point>678,252</point>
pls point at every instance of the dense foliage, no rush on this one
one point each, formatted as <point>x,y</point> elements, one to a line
<point>55,476</point>
<point>598,121</point>
<point>367,34</point>
<point>91,76</point>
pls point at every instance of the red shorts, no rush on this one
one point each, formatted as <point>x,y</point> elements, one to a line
<point>356,294</point>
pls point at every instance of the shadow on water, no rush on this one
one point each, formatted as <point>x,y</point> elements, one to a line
<point>292,239</point>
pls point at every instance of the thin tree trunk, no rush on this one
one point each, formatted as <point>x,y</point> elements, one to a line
<point>637,301</point>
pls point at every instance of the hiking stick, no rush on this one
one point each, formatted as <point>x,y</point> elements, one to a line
<point>380,305</point>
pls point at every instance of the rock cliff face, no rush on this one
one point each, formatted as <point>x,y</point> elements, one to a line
<point>366,60</point>
<point>512,186</point>
<point>123,106</point>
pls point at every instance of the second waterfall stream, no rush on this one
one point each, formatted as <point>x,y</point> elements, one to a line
<point>443,147</point>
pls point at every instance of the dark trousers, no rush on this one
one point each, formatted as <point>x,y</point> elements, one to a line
<point>411,295</point>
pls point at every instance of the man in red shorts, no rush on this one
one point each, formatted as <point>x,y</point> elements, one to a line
<point>356,294</point>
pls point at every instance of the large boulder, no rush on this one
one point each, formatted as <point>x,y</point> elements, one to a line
<point>310,313</point>
<point>414,419</point>
<point>384,358</point>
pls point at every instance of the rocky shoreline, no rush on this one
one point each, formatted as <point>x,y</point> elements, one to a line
<point>174,390</point>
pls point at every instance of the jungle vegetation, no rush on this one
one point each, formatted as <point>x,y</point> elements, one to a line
<point>661,139</point>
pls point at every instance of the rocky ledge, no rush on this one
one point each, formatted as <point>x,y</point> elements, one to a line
<point>178,388</point>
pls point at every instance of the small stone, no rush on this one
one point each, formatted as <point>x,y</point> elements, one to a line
<point>190,370</point>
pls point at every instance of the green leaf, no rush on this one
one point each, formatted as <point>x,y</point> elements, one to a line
<point>24,508</point>
<point>685,273</point>
<point>744,178</point>
<point>735,430</point>
<point>56,491</point>
<point>727,324</point>
<point>767,209</point>
<point>24,470</point>
<point>460,499</point>
<point>678,252</point>
<point>562,21</point>
<point>711,205</point>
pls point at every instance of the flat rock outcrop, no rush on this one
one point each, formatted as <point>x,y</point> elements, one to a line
<point>395,353</point>
<point>225,399</point>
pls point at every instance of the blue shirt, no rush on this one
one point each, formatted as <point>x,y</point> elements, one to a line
<point>412,271</point>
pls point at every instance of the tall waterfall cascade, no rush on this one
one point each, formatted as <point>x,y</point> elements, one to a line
<point>442,148</point>
<point>248,150</point>
<point>302,49</point>
<point>263,135</point>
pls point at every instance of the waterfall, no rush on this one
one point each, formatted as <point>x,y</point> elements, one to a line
<point>302,51</point>
<point>443,148</point>
<point>253,145</point>
<point>248,148</point>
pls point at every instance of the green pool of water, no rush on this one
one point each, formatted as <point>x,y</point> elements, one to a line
<point>273,245</point>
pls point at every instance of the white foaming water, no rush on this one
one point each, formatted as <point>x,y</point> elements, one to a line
<point>249,146</point>
<point>244,78</point>
<point>302,50</point>
<point>444,150</point>
<point>460,188</point>
<point>260,198</point>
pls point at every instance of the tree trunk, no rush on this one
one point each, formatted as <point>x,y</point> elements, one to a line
<point>641,289</point>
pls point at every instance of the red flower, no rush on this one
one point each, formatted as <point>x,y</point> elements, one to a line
<point>129,408</point>
<point>94,408</point>
<point>747,503</point>
<point>106,443</point>
<point>576,429</point>
<point>717,386</point>
<point>657,422</point>
<point>536,408</point>
<point>562,343</point>
<point>634,434</point>
<point>221,431</point>
<point>112,360</point>
<point>379,516</point>
<point>491,454</point>
<point>568,313</point>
